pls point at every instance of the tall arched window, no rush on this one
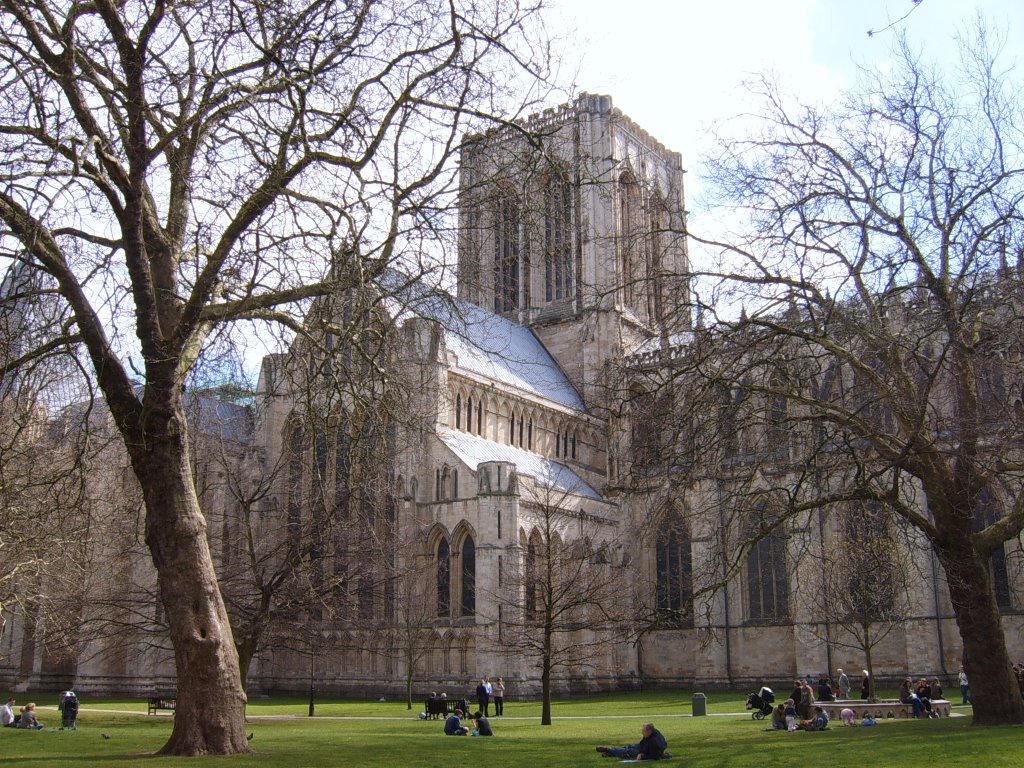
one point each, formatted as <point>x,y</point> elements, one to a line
<point>674,566</point>
<point>655,247</point>
<point>632,246</point>
<point>468,576</point>
<point>506,254</point>
<point>444,578</point>
<point>648,414</point>
<point>777,433</point>
<point>365,597</point>
<point>987,513</point>
<point>445,491</point>
<point>342,470</point>
<point>458,411</point>
<point>558,264</point>
<point>532,576</point>
<point>767,579</point>
<point>728,424</point>
<point>296,482</point>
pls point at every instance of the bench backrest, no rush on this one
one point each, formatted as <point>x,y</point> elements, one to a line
<point>440,706</point>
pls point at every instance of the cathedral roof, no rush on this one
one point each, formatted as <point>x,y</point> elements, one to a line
<point>547,473</point>
<point>220,418</point>
<point>496,348</point>
<point>485,344</point>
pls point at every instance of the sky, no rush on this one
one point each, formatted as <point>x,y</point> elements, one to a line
<point>676,66</point>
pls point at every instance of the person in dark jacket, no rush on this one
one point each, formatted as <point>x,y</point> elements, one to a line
<point>483,725</point>
<point>651,747</point>
<point>453,725</point>
<point>483,698</point>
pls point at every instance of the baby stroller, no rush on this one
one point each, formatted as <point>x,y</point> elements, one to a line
<point>68,707</point>
<point>761,703</point>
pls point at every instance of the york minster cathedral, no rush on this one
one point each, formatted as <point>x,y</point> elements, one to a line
<point>504,476</point>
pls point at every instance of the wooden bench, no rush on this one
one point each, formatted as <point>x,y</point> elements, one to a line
<point>884,709</point>
<point>158,703</point>
<point>437,707</point>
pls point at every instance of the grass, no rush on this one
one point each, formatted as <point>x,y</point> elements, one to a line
<point>373,734</point>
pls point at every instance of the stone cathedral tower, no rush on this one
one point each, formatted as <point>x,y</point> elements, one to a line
<point>572,224</point>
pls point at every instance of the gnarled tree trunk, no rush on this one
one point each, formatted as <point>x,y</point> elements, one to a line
<point>210,714</point>
<point>994,688</point>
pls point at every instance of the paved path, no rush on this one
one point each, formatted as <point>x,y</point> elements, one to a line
<point>661,715</point>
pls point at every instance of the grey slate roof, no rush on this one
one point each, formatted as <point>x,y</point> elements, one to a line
<point>220,419</point>
<point>486,344</point>
<point>496,348</point>
<point>547,473</point>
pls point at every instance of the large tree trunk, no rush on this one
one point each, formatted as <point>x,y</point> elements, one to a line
<point>994,691</point>
<point>210,713</point>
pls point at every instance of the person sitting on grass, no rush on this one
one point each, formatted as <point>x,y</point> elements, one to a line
<point>7,717</point>
<point>453,725</point>
<point>779,718</point>
<point>28,717</point>
<point>483,725</point>
<point>817,723</point>
<point>651,747</point>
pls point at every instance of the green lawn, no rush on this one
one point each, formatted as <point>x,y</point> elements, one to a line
<point>374,734</point>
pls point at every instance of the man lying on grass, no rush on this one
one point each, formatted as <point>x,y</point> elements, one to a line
<point>651,747</point>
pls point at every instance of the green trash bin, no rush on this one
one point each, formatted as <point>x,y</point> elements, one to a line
<point>700,705</point>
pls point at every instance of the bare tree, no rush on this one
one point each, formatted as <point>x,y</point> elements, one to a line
<point>861,591</point>
<point>44,528</point>
<point>568,603</point>
<point>414,616</point>
<point>175,167</point>
<point>881,322</point>
<point>44,512</point>
<point>256,568</point>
